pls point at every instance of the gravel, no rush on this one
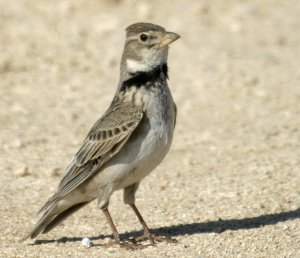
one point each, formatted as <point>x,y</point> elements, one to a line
<point>230,186</point>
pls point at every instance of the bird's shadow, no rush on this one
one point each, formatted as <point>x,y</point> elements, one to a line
<point>218,226</point>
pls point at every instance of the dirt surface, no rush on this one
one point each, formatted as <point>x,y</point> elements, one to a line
<point>230,186</point>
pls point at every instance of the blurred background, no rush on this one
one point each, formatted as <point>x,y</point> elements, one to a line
<point>234,75</point>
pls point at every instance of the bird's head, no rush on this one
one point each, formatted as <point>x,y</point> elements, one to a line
<point>146,47</point>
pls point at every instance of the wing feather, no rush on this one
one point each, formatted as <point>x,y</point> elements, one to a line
<point>106,138</point>
<point>112,128</point>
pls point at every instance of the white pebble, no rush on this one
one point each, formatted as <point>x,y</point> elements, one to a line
<point>22,172</point>
<point>87,242</point>
<point>51,172</point>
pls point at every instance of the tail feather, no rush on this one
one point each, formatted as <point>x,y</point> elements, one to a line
<point>51,215</point>
<point>45,216</point>
<point>62,216</point>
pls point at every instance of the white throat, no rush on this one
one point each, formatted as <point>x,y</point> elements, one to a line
<point>148,61</point>
<point>135,66</point>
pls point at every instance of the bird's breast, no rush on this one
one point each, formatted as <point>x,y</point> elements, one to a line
<point>149,142</point>
<point>157,126</point>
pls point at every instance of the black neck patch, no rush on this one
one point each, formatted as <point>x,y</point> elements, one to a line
<point>140,79</point>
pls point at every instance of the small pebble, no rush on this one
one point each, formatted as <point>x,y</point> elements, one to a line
<point>51,172</point>
<point>5,65</point>
<point>87,242</point>
<point>22,172</point>
<point>219,229</point>
<point>163,185</point>
<point>110,250</point>
<point>17,143</point>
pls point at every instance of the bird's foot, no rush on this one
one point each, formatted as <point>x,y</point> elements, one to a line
<point>153,239</point>
<point>126,245</point>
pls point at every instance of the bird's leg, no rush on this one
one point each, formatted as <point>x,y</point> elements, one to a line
<point>129,198</point>
<point>112,226</point>
<point>147,233</point>
<point>117,237</point>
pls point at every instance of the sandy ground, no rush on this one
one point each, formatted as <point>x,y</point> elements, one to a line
<point>230,186</point>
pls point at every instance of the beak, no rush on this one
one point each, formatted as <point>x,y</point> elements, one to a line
<point>168,38</point>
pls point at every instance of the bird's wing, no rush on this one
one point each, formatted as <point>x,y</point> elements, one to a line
<point>105,139</point>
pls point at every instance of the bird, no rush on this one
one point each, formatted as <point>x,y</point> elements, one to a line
<point>128,141</point>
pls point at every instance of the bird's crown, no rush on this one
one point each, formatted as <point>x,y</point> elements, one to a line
<point>142,27</point>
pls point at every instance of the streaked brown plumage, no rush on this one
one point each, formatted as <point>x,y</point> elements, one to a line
<point>128,141</point>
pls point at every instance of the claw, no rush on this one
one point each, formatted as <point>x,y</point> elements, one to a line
<point>126,245</point>
<point>153,239</point>
<point>131,246</point>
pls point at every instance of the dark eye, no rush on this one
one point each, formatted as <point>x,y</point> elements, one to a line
<point>143,37</point>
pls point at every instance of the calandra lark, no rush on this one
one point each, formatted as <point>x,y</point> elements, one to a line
<point>128,141</point>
